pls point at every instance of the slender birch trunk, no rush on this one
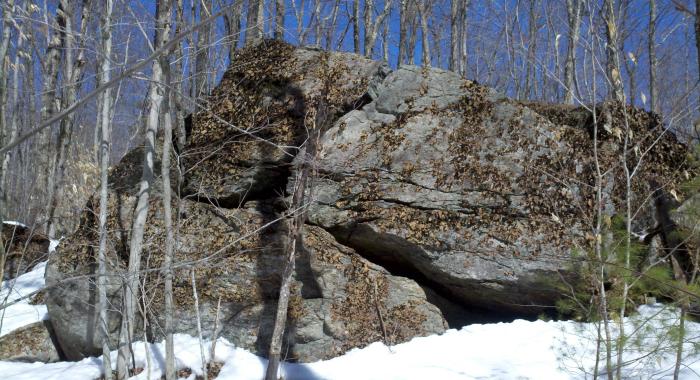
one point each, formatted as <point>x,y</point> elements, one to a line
<point>463,39</point>
<point>651,39</point>
<point>166,115</point>
<point>330,32</point>
<point>356,26</point>
<point>316,22</point>
<point>50,103</point>
<point>103,123</point>
<point>612,51</point>
<point>279,19</point>
<point>232,22</point>
<point>155,99</point>
<point>697,33</point>
<point>531,50</point>
<point>72,77</point>
<point>413,25</point>
<point>372,28</point>
<point>455,43</point>
<point>7,12</point>
<point>201,73</point>
<point>573,11</point>
<point>403,9</point>
<point>425,46</point>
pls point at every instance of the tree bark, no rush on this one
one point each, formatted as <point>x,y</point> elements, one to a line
<point>50,103</point>
<point>166,115</point>
<point>403,9</point>
<point>612,50</point>
<point>7,12</point>
<point>455,28</point>
<point>651,37</point>
<point>372,28</point>
<point>531,50</point>
<point>72,78</point>
<point>330,32</point>
<point>425,45</point>
<point>573,11</point>
<point>356,26</point>
<point>131,290</point>
<point>232,22</point>
<point>103,123</point>
<point>697,33</point>
<point>202,56</point>
<point>279,20</point>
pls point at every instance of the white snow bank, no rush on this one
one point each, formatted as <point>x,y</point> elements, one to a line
<point>21,313</point>
<point>517,350</point>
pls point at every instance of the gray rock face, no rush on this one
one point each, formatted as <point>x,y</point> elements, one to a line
<point>481,196</point>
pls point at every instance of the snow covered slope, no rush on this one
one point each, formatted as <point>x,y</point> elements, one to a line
<point>21,313</point>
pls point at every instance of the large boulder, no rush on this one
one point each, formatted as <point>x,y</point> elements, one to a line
<point>433,198</point>
<point>483,197</point>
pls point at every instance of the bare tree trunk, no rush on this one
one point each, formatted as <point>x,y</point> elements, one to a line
<point>425,46</point>
<point>20,62</point>
<point>176,96</point>
<point>251,33</point>
<point>103,123</point>
<point>412,42</point>
<point>50,103</point>
<point>372,28</point>
<point>403,9</point>
<point>463,39</point>
<point>166,115</point>
<point>202,56</point>
<point>385,42</point>
<point>7,13</point>
<point>155,99</point>
<point>73,69</point>
<point>613,52</point>
<point>455,26</point>
<point>356,26</point>
<point>260,24</point>
<point>651,37</point>
<point>331,29</point>
<point>573,10</point>
<point>298,209</point>
<point>531,49</point>
<point>316,22</point>
<point>697,33</point>
<point>279,20</point>
<point>299,14</point>
<point>199,326</point>
<point>232,22</point>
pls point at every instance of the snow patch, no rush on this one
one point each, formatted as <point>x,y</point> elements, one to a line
<point>21,313</point>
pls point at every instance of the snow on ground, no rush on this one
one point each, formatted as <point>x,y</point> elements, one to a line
<point>516,350</point>
<point>21,313</point>
<point>15,223</point>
